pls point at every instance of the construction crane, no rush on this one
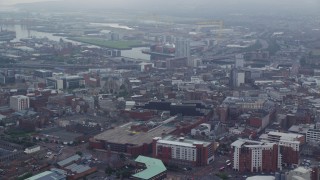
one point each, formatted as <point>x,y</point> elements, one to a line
<point>214,23</point>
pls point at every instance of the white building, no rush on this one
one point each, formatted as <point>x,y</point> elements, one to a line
<point>261,178</point>
<point>301,128</point>
<point>32,149</point>
<point>236,130</point>
<point>196,79</point>
<point>237,77</point>
<point>239,61</point>
<point>19,102</point>
<point>184,150</point>
<point>313,135</point>
<point>240,78</point>
<point>300,173</point>
<point>245,102</point>
<point>203,129</point>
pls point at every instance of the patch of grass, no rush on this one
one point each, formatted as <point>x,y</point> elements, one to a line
<point>223,176</point>
<point>122,44</point>
<point>17,133</point>
<point>24,176</point>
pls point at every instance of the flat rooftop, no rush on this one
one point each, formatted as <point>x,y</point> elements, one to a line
<point>69,160</point>
<point>285,136</point>
<point>250,143</point>
<point>173,140</point>
<point>124,135</point>
<point>61,134</point>
<point>43,70</point>
<point>154,167</point>
<point>47,175</point>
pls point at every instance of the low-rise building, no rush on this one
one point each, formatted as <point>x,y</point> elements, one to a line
<point>300,173</point>
<point>124,139</point>
<point>49,175</point>
<point>202,130</point>
<point>32,149</point>
<point>149,168</point>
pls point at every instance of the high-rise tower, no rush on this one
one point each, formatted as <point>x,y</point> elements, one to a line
<point>182,48</point>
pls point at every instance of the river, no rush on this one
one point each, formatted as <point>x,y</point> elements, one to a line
<point>22,32</point>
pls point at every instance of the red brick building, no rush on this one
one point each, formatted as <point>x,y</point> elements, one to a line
<point>255,156</point>
<point>289,145</point>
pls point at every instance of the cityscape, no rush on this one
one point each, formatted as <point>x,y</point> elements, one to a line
<point>199,90</point>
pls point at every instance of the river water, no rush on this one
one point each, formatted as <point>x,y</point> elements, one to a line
<point>22,32</point>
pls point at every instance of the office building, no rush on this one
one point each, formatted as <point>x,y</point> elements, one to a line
<point>246,103</point>
<point>237,78</point>
<point>313,135</point>
<point>183,151</point>
<point>239,61</point>
<point>182,48</point>
<point>54,83</point>
<point>73,82</point>
<point>66,82</point>
<point>42,73</point>
<point>19,102</point>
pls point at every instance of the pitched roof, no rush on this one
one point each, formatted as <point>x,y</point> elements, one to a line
<point>154,167</point>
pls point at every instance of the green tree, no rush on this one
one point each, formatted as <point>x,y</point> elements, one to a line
<point>79,153</point>
<point>109,171</point>
<point>223,176</point>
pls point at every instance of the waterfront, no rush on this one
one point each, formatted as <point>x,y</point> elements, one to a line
<point>22,32</point>
<point>135,53</point>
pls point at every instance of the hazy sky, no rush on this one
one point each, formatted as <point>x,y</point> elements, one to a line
<point>126,2</point>
<point>9,2</point>
<point>191,6</point>
<point>123,2</point>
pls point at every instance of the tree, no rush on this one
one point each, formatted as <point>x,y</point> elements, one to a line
<point>109,171</point>
<point>79,153</point>
<point>223,176</point>
<point>122,157</point>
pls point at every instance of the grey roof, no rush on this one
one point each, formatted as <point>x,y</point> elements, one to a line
<point>48,175</point>
<point>76,168</point>
<point>69,160</point>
